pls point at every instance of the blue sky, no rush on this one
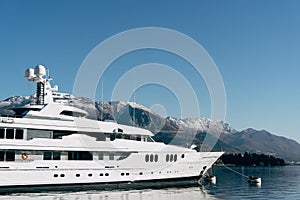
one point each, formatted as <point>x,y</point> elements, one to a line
<point>255,44</point>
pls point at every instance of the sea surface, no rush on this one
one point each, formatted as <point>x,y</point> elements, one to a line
<point>277,183</point>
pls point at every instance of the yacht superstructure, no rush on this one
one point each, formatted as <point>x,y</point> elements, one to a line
<point>50,145</point>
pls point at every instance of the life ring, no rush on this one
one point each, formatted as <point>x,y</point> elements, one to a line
<point>24,156</point>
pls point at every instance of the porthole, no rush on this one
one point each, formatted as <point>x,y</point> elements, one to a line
<point>122,174</point>
<point>107,174</point>
<point>171,158</point>
<point>147,158</point>
<point>156,158</point>
<point>90,175</point>
<point>55,175</point>
<point>62,175</point>
<point>151,158</point>
<point>77,175</point>
<point>141,173</point>
<point>167,158</point>
<point>175,158</point>
<point>101,174</point>
<point>127,174</point>
<point>182,155</point>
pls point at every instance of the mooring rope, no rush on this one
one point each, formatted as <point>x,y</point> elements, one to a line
<point>236,172</point>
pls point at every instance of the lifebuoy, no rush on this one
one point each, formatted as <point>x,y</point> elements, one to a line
<point>24,156</point>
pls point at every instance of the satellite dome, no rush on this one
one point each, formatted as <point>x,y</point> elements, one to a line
<point>40,71</point>
<point>29,73</point>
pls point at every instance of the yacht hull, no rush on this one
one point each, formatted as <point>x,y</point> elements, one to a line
<point>122,185</point>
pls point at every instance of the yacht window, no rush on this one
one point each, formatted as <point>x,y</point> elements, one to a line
<point>97,135</point>
<point>101,156</point>
<point>111,156</point>
<point>80,155</point>
<point>147,158</point>
<point>19,134</point>
<point>124,155</point>
<point>156,158</point>
<point>167,158</point>
<point>1,133</point>
<point>149,139</point>
<point>59,134</point>
<point>72,113</point>
<point>10,133</point>
<point>35,133</point>
<point>139,138</point>
<point>171,158</point>
<point>47,155</point>
<point>119,136</point>
<point>112,137</point>
<point>127,137</point>
<point>56,155</point>
<point>1,155</point>
<point>151,158</point>
<point>10,156</point>
<point>175,158</point>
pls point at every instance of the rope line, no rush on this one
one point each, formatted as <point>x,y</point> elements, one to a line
<point>236,171</point>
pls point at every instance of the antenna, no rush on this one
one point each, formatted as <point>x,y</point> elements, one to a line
<point>102,92</point>
<point>134,96</point>
<point>48,72</point>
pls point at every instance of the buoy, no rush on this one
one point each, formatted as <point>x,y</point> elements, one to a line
<point>211,179</point>
<point>254,180</point>
<point>24,156</point>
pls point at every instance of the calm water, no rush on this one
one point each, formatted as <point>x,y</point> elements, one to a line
<point>277,183</point>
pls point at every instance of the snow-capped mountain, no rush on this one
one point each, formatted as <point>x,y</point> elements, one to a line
<point>179,131</point>
<point>202,125</point>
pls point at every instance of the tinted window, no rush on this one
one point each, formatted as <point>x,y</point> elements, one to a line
<point>9,133</point>
<point>151,158</point>
<point>1,133</point>
<point>10,156</point>
<point>100,156</point>
<point>56,155</point>
<point>80,155</point>
<point>112,137</point>
<point>111,156</point>
<point>47,155</point>
<point>147,158</point>
<point>171,158</point>
<point>19,134</point>
<point>1,155</point>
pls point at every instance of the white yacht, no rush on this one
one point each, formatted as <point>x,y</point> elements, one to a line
<point>50,145</point>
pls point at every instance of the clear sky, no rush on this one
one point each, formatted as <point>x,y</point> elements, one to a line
<point>255,44</point>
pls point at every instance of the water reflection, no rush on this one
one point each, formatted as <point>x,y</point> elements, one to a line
<point>170,193</point>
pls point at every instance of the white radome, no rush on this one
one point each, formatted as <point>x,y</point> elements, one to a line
<point>40,71</point>
<point>29,74</point>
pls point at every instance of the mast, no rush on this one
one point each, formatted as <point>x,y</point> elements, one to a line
<point>43,86</point>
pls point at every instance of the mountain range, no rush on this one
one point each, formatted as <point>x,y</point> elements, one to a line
<point>205,133</point>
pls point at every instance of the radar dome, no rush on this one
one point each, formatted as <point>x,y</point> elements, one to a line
<point>40,71</point>
<point>29,74</point>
